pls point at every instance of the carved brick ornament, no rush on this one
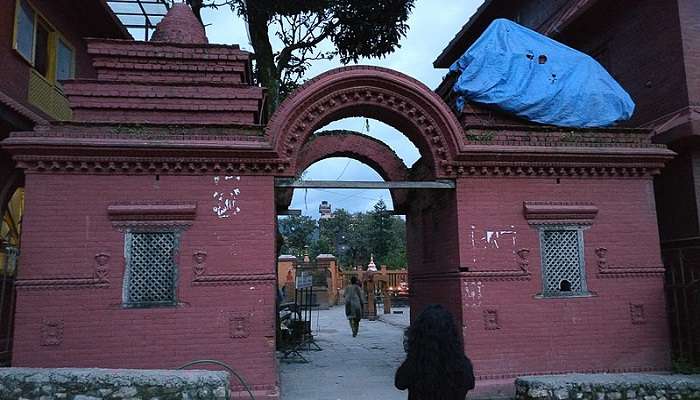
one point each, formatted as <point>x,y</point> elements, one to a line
<point>199,257</point>
<point>423,116</point>
<point>238,325</point>
<point>637,314</point>
<point>523,261</point>
<point>51,332</point>
<point>491,320</point>
<point>101,271</point>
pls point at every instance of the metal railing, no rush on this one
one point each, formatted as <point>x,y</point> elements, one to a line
<point>683,300</point>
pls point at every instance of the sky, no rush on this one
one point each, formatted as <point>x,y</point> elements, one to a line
<point>433,24</point>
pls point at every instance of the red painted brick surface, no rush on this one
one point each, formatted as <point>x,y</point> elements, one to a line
<point>180,26</point>
<point>171,83</point>
<point>67,225</point>
<point>556,335</point>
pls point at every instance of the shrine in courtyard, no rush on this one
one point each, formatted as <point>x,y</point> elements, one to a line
<point>149,236</point>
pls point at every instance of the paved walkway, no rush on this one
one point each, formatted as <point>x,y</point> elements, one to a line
<point>348,368</point>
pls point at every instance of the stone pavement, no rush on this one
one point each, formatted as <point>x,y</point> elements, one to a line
<point>348,368</point>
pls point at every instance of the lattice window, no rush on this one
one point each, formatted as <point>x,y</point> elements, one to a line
<point>562,262</point>
<point>151,270</point>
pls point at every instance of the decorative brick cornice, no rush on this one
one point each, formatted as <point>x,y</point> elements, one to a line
<point>150,166</point>
<point>559,212</point>
<point>609,271</point>
<point>144,149</point>
<point>234,279</point>
<point>501,275</point>
<point>526,169</point>
<point>150,215</point>
<point>99,280</point>
<point>201,278</point>
<point>151,212</point>
<point>61,284</point>
<point>632,272</point>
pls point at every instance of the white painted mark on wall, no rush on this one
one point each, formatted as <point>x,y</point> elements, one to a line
<point>226,196</point>
<point>472,293</point>
<point>493,239</point>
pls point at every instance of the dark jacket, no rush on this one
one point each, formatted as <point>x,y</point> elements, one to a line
<point>406,376</point>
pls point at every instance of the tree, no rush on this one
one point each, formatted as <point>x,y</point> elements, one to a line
<point>356,28</point>
<point>297,232</point>
<point>380,232</point>
<point>352,238</point>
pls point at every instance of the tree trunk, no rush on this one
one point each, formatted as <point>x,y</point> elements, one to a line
<point>266,70</point>
<point>196,6</point>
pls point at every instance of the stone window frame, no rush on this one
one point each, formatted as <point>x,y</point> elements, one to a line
<point>581,271</point>
<point>151,217</point>
<point>128,268</point>
<point>561,215</point>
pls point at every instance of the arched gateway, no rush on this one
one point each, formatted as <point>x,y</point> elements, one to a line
<point>383,94</point>
<point>149,232</point>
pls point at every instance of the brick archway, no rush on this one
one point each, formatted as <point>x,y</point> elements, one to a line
<point>355,145</point>
<point>366,149</point>
<point>379,93</point>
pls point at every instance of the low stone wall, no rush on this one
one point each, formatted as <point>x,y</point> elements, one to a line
<point>108,384</point>
<point>608,387</point>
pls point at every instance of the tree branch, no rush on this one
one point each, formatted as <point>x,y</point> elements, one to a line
<point>286,54</point>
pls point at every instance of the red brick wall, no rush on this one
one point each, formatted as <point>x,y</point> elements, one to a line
<point>433,250</point>
<point>66,225</point>
<point>508,331</point>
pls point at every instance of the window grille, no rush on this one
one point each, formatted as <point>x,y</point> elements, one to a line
<point>150,278</point>
<point>562,262</point>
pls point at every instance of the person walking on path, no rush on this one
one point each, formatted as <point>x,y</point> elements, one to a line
<point>435,367</point>
<point>354,303</point>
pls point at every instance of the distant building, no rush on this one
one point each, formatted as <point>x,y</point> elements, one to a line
<point>325,210</point>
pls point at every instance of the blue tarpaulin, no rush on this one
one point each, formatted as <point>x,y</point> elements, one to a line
<point>534,77</point>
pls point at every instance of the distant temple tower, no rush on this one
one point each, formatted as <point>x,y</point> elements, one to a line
<point>372,266</point>
<point>325,210</point>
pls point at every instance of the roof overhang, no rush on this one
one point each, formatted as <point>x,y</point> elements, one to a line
<point>492,9</point>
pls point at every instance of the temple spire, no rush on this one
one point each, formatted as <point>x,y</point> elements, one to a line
<point>180,26</point>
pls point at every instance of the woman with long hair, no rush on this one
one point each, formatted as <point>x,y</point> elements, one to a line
<point>435,367</point>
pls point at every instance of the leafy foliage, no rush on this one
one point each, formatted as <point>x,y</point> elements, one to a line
<point>352,238</point>
<point>297,232</point>
<point>355,28</point>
